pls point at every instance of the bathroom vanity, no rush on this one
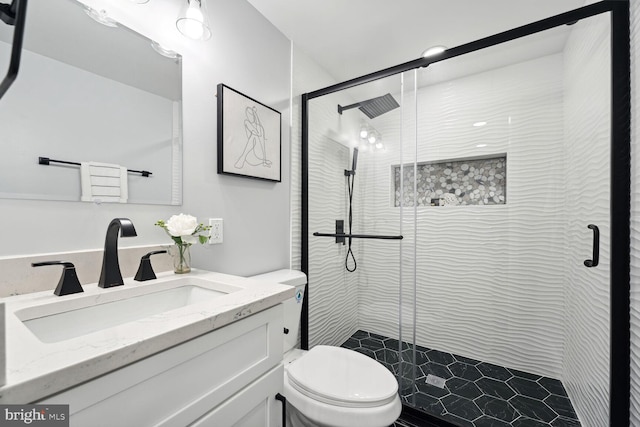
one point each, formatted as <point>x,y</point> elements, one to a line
<point>199,349</point>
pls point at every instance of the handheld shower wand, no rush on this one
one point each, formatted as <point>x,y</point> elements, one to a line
<point>350,174</point>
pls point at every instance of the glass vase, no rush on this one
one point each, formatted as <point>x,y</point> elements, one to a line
<point>181,255</point>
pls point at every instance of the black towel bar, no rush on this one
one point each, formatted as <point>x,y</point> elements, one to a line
<point>47,161</point>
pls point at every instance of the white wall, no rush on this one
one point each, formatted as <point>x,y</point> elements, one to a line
<point>245,52</point>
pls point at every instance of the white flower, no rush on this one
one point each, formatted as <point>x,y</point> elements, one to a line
<point>182,225</point>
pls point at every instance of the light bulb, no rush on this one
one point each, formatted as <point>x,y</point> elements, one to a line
<point>193,25</point>
<point>372,139</point>
<point>363,133</point>
<point>379,145</point>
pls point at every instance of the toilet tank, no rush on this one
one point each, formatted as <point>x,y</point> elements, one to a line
<point>292,306</point>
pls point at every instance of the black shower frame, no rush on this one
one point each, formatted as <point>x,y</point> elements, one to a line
<point>620,203</point>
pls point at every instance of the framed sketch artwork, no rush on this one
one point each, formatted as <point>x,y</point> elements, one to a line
<point>249,137</point>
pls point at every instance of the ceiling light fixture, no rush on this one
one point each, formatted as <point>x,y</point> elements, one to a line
<point>192,21</point>
<point>479,124</point>
<point>433,50</point>
<point>481,145</point>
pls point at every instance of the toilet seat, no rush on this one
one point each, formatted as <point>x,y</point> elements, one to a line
<point>342,377</point>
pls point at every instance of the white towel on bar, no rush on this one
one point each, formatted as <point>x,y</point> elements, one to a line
<point>103,182</point>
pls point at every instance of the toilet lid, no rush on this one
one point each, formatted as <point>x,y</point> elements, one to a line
<point>342,377</point>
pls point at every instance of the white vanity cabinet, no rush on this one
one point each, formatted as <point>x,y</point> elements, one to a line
<point>227,377</point>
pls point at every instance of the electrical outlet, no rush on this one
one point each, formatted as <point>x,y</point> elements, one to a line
<point>215,234</point>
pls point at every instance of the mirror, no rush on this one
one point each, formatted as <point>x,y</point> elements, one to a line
<point>89,94</point>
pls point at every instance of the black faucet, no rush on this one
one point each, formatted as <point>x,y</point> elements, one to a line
<point>111,275</point>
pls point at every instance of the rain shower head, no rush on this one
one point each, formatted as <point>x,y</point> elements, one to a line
<point>373,107</point>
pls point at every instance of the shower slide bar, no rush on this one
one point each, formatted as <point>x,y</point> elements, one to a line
<point>358,236</point>
<point>46,161</point>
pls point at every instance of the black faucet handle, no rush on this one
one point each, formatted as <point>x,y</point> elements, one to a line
<point>68,283</point>
<point>145,270</point>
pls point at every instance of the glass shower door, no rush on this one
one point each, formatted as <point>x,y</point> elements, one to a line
<point>512,190</point>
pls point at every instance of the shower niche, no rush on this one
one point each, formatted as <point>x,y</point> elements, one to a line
<point>459,182</point>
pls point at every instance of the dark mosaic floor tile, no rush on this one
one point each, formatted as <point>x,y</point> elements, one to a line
<point>422,349</point>
<point>420,357</point>
<point>528,388</point>
<point>410,370</point>
<point>359,334</point>
<point>406,383</point>
<point>497,408</point>
<point>371,344</point>
<point>436,369</point>
<point>461,407</point>
<point>466,360</point>
<point>533,408</point>
<point>351,343</point>
<point>386,355</point>
<point>428,403</point>
<point>431,390</point>
<point>463,388</point>
<point>378,337</point>
<point>495,388</point>
<point>464,370</point>
<point>562,406</point>
<point>365,351</point>
<point>494,371</point>
<point>485,421</point>
<point>394,344</point>
<point>525,375</point>
<point>554,386</point>
<point>565,422</point>
<point>528,422</point>
<point>440,357</point>
<point>457,421</point>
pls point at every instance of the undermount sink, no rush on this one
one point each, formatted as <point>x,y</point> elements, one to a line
<point>68,319</point>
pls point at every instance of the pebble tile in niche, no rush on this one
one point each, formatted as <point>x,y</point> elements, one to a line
<point>475,394</point>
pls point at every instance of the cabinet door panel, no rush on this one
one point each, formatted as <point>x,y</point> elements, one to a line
<point>255,405</point>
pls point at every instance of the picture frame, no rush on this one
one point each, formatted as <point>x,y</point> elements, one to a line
<point>249,137</point>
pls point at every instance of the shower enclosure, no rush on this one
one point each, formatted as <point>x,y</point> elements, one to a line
<point>465,221</point>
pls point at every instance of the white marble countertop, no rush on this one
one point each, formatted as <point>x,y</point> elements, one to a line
<point>35,369</point>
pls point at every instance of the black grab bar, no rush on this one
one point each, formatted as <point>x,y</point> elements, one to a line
<point>596,247</point>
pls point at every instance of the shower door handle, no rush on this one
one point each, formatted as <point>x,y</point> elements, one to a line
<point>596,247</point>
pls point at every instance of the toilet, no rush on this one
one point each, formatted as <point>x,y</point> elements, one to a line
<point>331,386</point>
